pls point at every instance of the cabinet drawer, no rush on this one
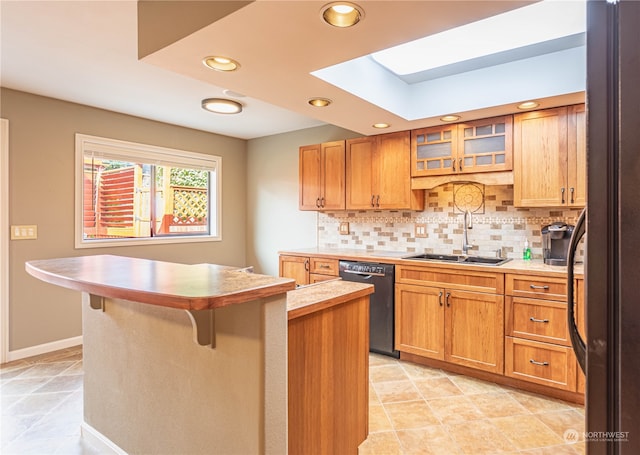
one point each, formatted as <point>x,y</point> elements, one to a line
<point>536,286</point>
<point>324,266</point>
<point>464,280</point>
<point>542,363</point>
<point>316,277</point>
<point>536,319</point>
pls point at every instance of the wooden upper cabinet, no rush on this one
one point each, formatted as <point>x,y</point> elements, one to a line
<point>322,176</point>
<point>463,148</point>
<point>550,158</point>
<point>379,173</point>
<point>577,155</point>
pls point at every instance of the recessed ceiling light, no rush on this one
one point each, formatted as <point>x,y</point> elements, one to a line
<point>222,106</point>
<point>219,63</point>
<point>319,102</point>
<point>381,125</point>
<point>342,14</point>
<point>450,118</point>
<point>528,105</point>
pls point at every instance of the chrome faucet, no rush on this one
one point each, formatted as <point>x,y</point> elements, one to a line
<point>468,224</point>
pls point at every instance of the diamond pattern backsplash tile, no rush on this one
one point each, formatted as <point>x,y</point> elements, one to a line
<point>497,224</point>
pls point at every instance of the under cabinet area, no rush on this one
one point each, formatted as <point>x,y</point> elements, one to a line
<point>322,176</point>
<point>478,146</point>
<point>549,157</point>
<point>537,345</point>
<point>441,315</point>
<point>379,173</point>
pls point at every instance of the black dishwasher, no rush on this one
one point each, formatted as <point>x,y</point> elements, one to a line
<point>381,308</point>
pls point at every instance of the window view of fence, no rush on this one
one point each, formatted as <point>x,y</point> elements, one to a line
<point>135,200</point>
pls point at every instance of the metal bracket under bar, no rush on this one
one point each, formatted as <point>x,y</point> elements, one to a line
<point>204,331</point>
<point>96,302</point>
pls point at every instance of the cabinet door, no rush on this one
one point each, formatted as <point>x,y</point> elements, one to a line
<point>333,176</point>
<point>540,158</point>
<point>433,150</point>
<point>577,155</point>
<point>296,267</point>
<point>419,320</point>
<point>310,177</point>
<point>485,145</point>
<point>474,330</point>
<point>360,177</point>
<point>393,171</point>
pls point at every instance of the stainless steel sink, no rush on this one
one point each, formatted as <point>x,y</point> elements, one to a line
<point>458,259</point>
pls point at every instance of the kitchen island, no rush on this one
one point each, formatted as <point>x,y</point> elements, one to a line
<point>190,358</point>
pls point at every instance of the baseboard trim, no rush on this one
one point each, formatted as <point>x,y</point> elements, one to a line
<point>99,441</point>
<point>44,348</point>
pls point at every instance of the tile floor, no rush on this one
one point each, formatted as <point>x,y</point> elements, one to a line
<point>413,410</point>
<point>420,410</point>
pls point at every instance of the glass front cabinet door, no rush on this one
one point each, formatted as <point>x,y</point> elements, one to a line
<point>463,148</point>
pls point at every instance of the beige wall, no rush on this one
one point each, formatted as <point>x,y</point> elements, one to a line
<point>41,192</point>
<point>274,222</point>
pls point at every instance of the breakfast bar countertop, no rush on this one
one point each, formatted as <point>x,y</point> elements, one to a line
<point>180,286</point>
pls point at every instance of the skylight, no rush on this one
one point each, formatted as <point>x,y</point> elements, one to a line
<point>537,23</point>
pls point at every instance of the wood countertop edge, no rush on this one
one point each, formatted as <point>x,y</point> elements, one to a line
<point>520,269</point>
<point>179,302</point>
<point>326,301</point>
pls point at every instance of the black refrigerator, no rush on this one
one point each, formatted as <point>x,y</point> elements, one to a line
<point>612,257</point>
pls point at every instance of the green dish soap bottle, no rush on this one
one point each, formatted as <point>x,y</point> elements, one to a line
<point>526,252</point>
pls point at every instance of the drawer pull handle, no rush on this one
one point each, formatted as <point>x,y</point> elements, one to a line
<point>532,319</point>
<point>324,266</point>
<point>545,287</point>
<point>543,364</point>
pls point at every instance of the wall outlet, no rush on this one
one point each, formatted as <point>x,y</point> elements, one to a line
<point>24,232</point>
<point>344,228</point>
<point>421,230</point>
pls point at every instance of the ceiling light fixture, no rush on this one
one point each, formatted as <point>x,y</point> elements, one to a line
<point>221,106</point>
<point>342,14</point>
<point>450,118</point>
<point>219,63</point>
<point>320,102</point>
<point>528,105</point>
<point>381,125</point>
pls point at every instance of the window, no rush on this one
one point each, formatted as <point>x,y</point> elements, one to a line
<point>135,194</point>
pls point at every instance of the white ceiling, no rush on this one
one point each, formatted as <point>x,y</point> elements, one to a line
<point>86,52</point>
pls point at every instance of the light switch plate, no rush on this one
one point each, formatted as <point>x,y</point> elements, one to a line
<point>24,232</point>
<point>344,228</point>
<point>421,230</point>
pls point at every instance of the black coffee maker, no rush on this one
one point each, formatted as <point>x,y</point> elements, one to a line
<point>555,243</point>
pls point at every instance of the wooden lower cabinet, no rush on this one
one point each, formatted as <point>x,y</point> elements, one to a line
<point>461,327</point>
<point>328,371</point>
<point>307,270</point>
<point>543,363</point>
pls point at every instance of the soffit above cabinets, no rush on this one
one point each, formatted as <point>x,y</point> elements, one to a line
<point>289,55</point>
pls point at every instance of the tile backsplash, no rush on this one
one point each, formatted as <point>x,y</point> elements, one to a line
<point>497,224</point>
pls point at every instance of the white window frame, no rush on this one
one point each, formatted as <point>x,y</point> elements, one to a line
<point>149,154</point>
